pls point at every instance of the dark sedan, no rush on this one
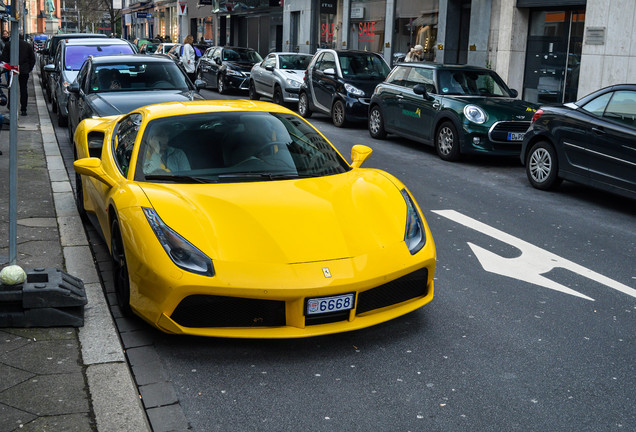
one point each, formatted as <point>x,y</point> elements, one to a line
<point>227,68</point>
<point>458,109</point>
<point>591,141</point>
<point>114,85</point>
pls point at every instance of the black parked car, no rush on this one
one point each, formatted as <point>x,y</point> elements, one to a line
<point>591,141</point>
<point>340,84</point>
<point>114,85</point>
<point>227,68</point>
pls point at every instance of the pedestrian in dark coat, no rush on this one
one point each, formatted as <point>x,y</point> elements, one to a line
<point>26,62</point>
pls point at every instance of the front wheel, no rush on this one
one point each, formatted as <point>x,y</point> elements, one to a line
<point>61,120</point>
<point>376,123</point>
<point>252,91</point>
<point>447,142</point>
<point>278,96</point>
<point>303,105</point>
<point>121,278</point>
<point>542,166</point>
<point>220,85</point>
<point>338,114</point>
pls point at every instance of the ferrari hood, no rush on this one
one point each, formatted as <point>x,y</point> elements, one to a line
<point>288,221</point>
<point>115,103</point>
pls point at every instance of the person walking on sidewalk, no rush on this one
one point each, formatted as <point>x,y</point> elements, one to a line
<point>188,59</point>
<point>26,62</point>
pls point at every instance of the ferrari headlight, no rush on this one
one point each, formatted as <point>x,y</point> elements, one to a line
<point>292,83</point>
<point>414,235</point>
<point>475,114</point>
<point>353,90</point>
<point>180,251</point>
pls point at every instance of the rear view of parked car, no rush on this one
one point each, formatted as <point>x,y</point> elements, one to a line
<point>458,109</point>
<point>340,84</point>
<point>279,77</point>
<point>591,141</point>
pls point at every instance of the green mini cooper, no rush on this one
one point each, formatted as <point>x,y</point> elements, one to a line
<point>458,109</point>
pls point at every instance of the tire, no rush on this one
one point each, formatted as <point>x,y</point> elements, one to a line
<point>79,197</point>
<point>121,279</point>
<point>447,142</point>
<point>278,96</point>
<point>61,120</point>
<point>220,85</point>
<point>542,166</point>
<point>338,114</point>
<point>376,123</point>
<point>303,105</point>
<point>252,91</point>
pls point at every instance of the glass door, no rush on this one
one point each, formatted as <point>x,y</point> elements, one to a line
<point>553,56</point>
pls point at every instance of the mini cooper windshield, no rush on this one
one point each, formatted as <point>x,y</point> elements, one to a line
<point>472,83</point>
<point>231,147</point>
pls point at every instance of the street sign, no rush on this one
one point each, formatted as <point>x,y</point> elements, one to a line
<point>183,7</point>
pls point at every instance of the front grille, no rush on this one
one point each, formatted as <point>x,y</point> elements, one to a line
<point>217,311</point>
<point>405,288</point>
<point>499,131</point>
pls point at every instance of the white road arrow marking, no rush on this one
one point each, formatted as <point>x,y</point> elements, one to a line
<point>533,261</point>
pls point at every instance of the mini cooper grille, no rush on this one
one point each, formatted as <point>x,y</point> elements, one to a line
<point>217,311</point>
<point>499,131</point>
<point>405,288</point>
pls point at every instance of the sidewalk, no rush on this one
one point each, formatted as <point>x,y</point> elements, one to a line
<point>58,379</point>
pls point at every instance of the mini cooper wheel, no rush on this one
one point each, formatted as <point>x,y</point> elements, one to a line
<point>278,96</point>
<point>220,85</point>
<point>542,166</point>
<point>376,123</point>
<point>303,105</point>
<point>121,278</point>
<point>252,91</point>
<point>447,142</point>
<point>338,114</point>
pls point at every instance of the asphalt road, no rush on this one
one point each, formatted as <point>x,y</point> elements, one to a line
<point>501,349</point>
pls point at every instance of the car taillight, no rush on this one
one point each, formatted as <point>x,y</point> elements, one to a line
<point>537,115</point>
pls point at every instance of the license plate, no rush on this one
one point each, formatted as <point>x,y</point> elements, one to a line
<point>516,136</point>
<point>321,305</point>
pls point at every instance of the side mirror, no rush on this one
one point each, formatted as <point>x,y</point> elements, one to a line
<point>359,153</point>
<point>217,61</point>
<point>73,87</point>
<point>514,93</point>
<point>330,71</point>
<point>92,167</point>
<point>420,89</point>
<point>199,84</point>
<point>269,68</point>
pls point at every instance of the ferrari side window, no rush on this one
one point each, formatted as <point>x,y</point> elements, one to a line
<point>124,142</point>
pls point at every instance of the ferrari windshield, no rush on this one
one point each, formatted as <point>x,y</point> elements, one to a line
<point>472,83</point>
<point>76,54</point>
<point>137,76</point>
<point>230,147</point>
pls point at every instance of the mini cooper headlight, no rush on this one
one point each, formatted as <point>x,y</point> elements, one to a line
<point>414,235</point>
<point>353,90</point>
<point>475,114</point>
<point>292,83</point>
<point>180,251</point>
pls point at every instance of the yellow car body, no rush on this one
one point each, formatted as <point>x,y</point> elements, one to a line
<point>338,240</point>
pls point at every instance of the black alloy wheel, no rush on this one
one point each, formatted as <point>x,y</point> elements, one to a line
<point>220,85</point>
<point>278,96</point>
<point>121,278</point>
<point>303,105</point>
<point>338,114</point>
<point>252,92</point>
<point>376,123</point>
<point>447,142</point>
<point>542,166</point>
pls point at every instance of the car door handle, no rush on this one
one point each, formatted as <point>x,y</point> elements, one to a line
<point>399,96</point>
<point>436,105</point>
<point>598,131</point>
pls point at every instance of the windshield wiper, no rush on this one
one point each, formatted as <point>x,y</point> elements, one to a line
<point>179,178</point>
<point>260,176</point>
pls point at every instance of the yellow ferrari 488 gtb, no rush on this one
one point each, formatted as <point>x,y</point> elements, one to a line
<point>239,219</point>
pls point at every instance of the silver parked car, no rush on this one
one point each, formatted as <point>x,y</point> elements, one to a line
<point>279,76</point>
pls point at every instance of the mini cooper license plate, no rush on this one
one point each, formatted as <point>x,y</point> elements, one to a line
<point>322,305</point>
<point>516,136</point>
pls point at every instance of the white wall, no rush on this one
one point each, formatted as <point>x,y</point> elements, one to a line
<point>614,62</point>
<point>304,36</point>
